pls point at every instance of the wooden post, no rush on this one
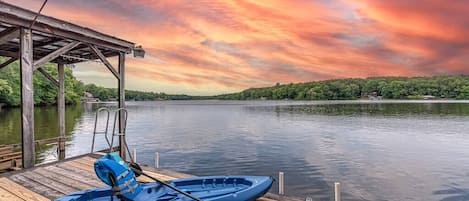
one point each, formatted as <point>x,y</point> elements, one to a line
<point>27,101</point>
<point>280,183</point>
<point>337,191</point>
<point>61,109</point>
<point>121,103</point>
<point>157,160</point>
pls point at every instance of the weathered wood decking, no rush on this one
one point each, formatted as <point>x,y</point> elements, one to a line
<point>50,181</point>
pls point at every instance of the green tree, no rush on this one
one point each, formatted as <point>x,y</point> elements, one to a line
<point>5,90</point>
<point>464,92</point>
<point>45,93</point>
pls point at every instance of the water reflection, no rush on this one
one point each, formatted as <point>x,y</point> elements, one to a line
<point>371,109</point>
<point>378,151</point>
<point>456,194</point>
<point>45,127</point>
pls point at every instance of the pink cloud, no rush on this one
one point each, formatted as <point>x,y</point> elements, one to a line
<point>248,43</point>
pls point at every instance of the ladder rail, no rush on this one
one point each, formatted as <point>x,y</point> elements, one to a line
<point>107,113</point>
<point>122,131</point>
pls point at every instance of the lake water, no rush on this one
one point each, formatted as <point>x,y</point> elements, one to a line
<point>394,150</point>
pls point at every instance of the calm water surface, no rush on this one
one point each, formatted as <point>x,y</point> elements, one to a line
<point>417,150</point>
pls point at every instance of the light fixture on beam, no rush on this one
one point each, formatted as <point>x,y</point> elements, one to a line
<point>139,51</point>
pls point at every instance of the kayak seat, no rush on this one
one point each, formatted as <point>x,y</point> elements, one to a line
<point>113,171</point>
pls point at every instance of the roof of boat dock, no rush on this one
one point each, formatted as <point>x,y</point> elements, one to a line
<point>51,34</point>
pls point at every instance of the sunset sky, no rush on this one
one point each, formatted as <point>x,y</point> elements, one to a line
<point>217,46</point>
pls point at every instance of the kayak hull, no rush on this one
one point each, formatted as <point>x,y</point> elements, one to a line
<point>211,188</point>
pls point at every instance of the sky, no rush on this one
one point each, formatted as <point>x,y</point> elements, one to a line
<point>205,47</point>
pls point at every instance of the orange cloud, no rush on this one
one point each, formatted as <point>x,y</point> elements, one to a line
<point>215,46</point>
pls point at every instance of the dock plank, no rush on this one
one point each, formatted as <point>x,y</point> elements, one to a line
<point>73,175</point>
<point>36,187</point>
<point>58,186</point>
<point>20,191</point>
<point>80,165</point>
<point>78,171</point>
<point>7,196</point>
<point>76,184</point>
<point>87,159</point>
<point>84,161</point>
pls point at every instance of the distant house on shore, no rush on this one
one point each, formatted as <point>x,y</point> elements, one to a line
<point>374,96</point>
<point>428,97</point>
<point>88,97</point>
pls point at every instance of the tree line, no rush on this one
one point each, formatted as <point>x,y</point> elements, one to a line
<point>104,94</point>
<point>45,93</point>
<point>451,87</point>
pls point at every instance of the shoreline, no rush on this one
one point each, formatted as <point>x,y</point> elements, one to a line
<point>5,106</point>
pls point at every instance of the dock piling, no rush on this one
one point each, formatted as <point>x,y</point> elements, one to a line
<point>157,160</point>
<point>337,191</point>
<point>134,155</point>
<point>61,109</point>
<point>27,99</point>
<point>280,184</point>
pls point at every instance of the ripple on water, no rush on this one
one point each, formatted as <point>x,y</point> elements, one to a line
<point>377,150</point>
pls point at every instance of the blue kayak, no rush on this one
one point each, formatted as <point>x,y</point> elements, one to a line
<point>212,188</point>
<point>123,186</point>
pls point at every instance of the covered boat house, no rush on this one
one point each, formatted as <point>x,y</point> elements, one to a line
<point>35,40</point>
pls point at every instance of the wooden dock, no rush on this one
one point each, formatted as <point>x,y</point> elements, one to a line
<point>53,180</point>
<point>11,156</point>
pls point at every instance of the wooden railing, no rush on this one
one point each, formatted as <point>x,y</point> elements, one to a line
<point>11,157</point>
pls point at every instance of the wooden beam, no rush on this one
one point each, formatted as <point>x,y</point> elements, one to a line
<point>38,44</point>
<point>121,104</point>
<point>7,62</point>
<point>48,76</point>
<point>27,102</point>
<point>101,57</point>
<point>61,109</point>
<point>9,54</point>
<point>49,41</point>
<point>9,34</point>
<point>55,54</point>
<point>18,16</point>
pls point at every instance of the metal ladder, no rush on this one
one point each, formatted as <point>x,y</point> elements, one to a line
<point>115,129</point>
<point>95,132</point>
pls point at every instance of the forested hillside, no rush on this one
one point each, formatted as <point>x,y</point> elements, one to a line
<point>453,87</point>
<point>45,93</point>
<point>111,94</point>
